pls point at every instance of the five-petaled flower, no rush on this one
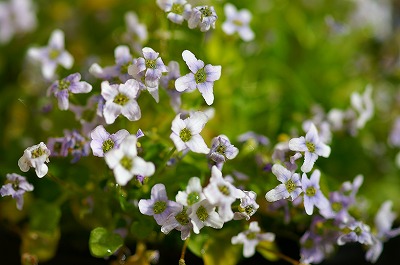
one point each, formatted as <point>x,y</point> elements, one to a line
<point>35,156</point>
<point>16,187</point>
<point>202,77</point>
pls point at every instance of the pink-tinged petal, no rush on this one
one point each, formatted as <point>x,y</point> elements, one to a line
<point>309,160</point>
<point>191,61</point>
<point>308,205</point>
<point>179,144</point>
<point>141,167</point>
<point>41,170</point>
<point>131,110</point>
<point>196,122</point>
<point>158,193</point>
<point>298,144</point>
<point>213,73</point>
<point>322,149</point>
<point>113,157</point>
<point>186,82</point>
<point>111,112</point>
<point>108,92</point>
<point>278,193</point>
<point>149,53</point>
<point>128,146</point>
<point>66,60</point>
<point>312,134</point>
<point>56,40</point>
<point>48,69</point>
<point>146,207</point>
<point>281,173</point>
<point>197,145</point>
<point>206,90</point>
<point>122,176</point>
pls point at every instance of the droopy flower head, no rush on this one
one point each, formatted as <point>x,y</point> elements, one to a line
<point>16,187</point>
<point>52,55</point>
<point>290,187</point>
<point>312,147</point>
<point>35,156</point>
<point>158,205</point>
<point>237,21</point>
<point>125,163</point>
<point>222,149</point>
<point>202,77</point>
<point>248,206</point>
<point>102,141</point>
<point>120,99</point>
<point>186,133</point>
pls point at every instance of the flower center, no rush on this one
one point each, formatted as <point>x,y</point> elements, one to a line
<point>121,99</point>
<point>251,235</point>
<point>310,147</point>
<point>249,209</point>
<point>221,149</point>
<point>53,54</point>
<point>337,206</point>
<point>192,198</point>
<point>205,11</point>
<point>200,76</point>
<point>171,84</point>
<point>185,134</point>
<point>150,64</point>
<point>126,162</point>
<point>182,217</point>
<point>177,9</point>
<point>37,152</point>
<point>290,186</point>
<point>107,145</point>
<point>202,213</point>
<point>358,230</point>
<point>238,22</point>
<point>310,191</point>
<point>63,84</point>
<point>159,207</point>
<point>224,190</point>
<point>15,185</point>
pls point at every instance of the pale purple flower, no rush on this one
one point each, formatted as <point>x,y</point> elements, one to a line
<point>203,17</point>
<point>255,138</point>
<point>250,239</point>
<point>247,207</point>
<point>312,193</point>
<point>125,163</point>
<point>52,55</point>
<point>355,231</point>
<point>35,156</point>
<point>312,147</point>
<point>168,83</point>
<point>158,205</point>
<point>103,141</point>
<point>222,194</point>
<point>290,187</point>
<point>178,10</point>
<point>180,221</point>
<point>313,249</point>
<point>192,194</point>
<point>202,77</point>
<point>76,144</point>
<point>186,133</point>
<point>15,187</point>
<point>62,89</point>
<point>284,155</point>
<point>152,66</point>
<point>56,146</point>
<point>222,149</point>
<point>121,99</point>
<point>237,21</point>
<point>204,214</point>
<point>136,33</point>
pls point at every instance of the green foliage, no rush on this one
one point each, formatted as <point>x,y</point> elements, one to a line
<point>103,243</point>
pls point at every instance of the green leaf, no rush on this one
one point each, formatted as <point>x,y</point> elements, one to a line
<point>219,250</point>
<point>103,243</point>
<point>196,243</point>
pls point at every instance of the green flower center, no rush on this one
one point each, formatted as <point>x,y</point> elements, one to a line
<point>53,54</point>
<point>249,209</point>
<point>185,134</point>
<point>192,198</point>
<point>121,99</point>
<point>224,190</point>
<point>63,84</point>
<point>150,64</point>
<point>200,76</point>
<point>221,149</point>
<point>310,147</point>
<point>202,213</point>
<point>159,207</point>
<point>177,9</point>
<point>337,206</point>
<point>290,186</point>
<point>238,22</point>
<point>205,11</point>
<point>124,68</point>
<point>310,191</point>
<point>126,162</point>
<point>358,230</point>
<point>251,235</point>
<point>182,217</point>
<point>37,152</point>
<point>107,145</point>
<point>15,185</point>
<point>171,84</point>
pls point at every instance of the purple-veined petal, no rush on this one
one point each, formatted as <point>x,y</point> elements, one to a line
<point>108,92</point>
<point>309,160</point>
<point>146,207</point>
<point>322,149</point>
<point>213,73</point>
<point>111,112</point>
<point>158,193</point>
<point>196,122</point>
<point>281,173</point>
<point>206,90</point>
<point>131,110</point>
<point>186,82</point>
<point>278,193</point>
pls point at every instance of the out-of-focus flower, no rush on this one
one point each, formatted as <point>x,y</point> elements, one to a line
<point>168,83</point>
<point>52,55</point>
<point>237,21</point>
<point>35,156</point>
<point>363,105</point>
<point>355,231</point>
<point>178,10</point>
<point>203,17</point>
<point>136,33</point>
<point>16,188</point>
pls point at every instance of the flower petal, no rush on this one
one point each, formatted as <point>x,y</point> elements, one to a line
<point>191,61</point>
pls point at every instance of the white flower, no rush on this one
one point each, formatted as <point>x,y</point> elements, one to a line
<point>204,214</point>
<point>312,193</point>
<point>35,156</point>
<point>178,10</point>
<point>290,187</point>
<point>120,99</point>
<point>102,141</point>
<point>125,163</point>
<point>363,105</point>
<point>186,133</point>
<point>192,194</point>
<point>221,193</point>
<point>250,239</point>
<point>202,16</point>
<point>237,21</point>
<point>312,147</point>
<point>180,221</point>
<point>248,206</point>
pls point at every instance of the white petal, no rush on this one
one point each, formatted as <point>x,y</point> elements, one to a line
<point>186,82</point>
<point>322,150</point>
<point>158,192</point>
<point>196,122</point>
<point>146,207</point>
<point>179,144</point>
<point>41,170</point>
<point>122,176</point>
<point>131,110</point>
<point>246,34</point>
<point>213,73</point>
<point>113,157</point>
<point>197,144</point>
<point>111,112</point>
<point>281,173</point>
<point>23,164</point>
<point>298,144</point>
<point>309,160</point>
<point>66,60</point>
<point>56,40</point>
<point>206,90</point>
<point>128,146</point>
<point>108,92</point>
<point>141,167</point>
<point>191,61</point>
<point>278,193</point>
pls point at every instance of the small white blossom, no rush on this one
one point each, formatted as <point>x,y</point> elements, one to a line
<point>237,21</point>
<point>290,187</point>
<point>35,156</point>
<point>192,194</point>
<point>204,214</point>
<point>363,105</point>
<point>203,17</point>
<point>178,10</point>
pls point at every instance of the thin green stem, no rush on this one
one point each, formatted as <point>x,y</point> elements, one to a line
<point>282,256</point>
<point>182,259</point>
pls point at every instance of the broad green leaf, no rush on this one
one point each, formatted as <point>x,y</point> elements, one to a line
<point>103,243</point>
